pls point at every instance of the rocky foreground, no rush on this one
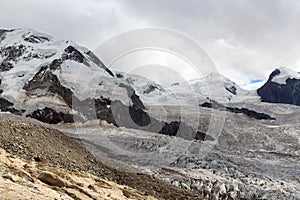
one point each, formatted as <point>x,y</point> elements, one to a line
<point>25,179</point>
<point>42,163</point>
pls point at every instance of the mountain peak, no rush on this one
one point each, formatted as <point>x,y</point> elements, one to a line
<point>282,74</point>
<point>282,87</point>
<point>23,35</point>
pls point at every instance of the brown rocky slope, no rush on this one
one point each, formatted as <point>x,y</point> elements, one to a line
<point>52,148</point>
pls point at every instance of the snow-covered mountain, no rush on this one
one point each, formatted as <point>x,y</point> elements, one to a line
<point>212,87</point>
<point>153,94</point>
<point>221,89</point>
<point>58,81</point>
<point>283,86</point>
<point>39,72</point>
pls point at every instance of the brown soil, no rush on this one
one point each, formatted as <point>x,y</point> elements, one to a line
<point>50,146</point>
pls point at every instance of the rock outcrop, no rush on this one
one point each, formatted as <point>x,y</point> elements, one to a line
<point>245,111</point>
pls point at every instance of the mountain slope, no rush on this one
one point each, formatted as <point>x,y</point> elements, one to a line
<point>52,151</point>
<point>25,179</point>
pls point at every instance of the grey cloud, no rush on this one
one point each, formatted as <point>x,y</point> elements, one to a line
<point>246,39</point>
<point>263,33</point>
<point>87,22</point>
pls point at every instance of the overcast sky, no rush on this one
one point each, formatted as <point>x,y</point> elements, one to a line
<point>246,39</point>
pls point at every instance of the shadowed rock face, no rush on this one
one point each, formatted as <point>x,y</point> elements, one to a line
<point>245,111</point>
<point>50,116</point>
<point>3,34</point>
<point>36,39</point>
<point>73,54</point>
<point>150,88</point>
<point>96,60</point>
<point>10,54</point>
<point>180,129</point>
<point>134,117</point>
<point>232,89</point>
<point>5,66</point>
<point>7,106</point>
<point>273,92</point>
<point>133,96</point>
<point>250,113</point>
<point>50,84</point>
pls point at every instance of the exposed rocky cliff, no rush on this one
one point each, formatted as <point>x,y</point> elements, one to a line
<point>283,86</point>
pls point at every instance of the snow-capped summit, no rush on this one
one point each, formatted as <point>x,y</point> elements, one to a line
<point>219,88</point>
<point>142,85</point>
<point>283,86</point>
<point>282,74</point>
